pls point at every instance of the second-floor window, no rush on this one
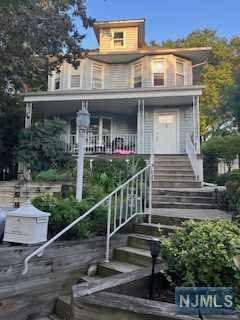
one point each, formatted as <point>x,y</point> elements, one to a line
<point>137,75</point>
<point>118,39</point>
<point>75,81</point>
<point>57,81</point>
<point>180,74</point>
<point>158,73</point>
<point>97,76</point>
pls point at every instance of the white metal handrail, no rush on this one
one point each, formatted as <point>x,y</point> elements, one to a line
<point>124,203</point>
<point>192,155</point>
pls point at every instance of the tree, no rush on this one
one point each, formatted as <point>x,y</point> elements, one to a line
<point>32,34</point>
<point>217,75</point>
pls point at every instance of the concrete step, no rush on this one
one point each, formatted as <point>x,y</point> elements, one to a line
<point>173,170</point>
<point>179,205</point>
<point>152,229</point>
<point>164,177</point>
<point>140,241</point>
<point>168,220</point>
<point>176,184</point>
<point>169,173</point>
<point>182,199</point>
<point>134,256</point>
<point>63,307</point>
<point>174,156</point>
<point>172,162</point>
<point>107,269</point>
<point>181,193</point>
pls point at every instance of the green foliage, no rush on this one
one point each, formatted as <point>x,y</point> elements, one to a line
<point>225,148</point>
<point>52,175</point>
<point>41,147</point>
<point>229,176</point>
<point>221,72</point>
<point>201,253</point>
<point>64,211</point>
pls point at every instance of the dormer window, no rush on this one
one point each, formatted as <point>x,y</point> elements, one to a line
<point>158,73</point>
<point>118,39</point>
<point>97,76</point>
<point>137,75</point>
<point>180,78</point>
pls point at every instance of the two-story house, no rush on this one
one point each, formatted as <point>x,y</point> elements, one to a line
<point>142,99</point>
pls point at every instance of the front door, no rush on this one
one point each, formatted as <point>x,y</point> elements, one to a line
<point>165,133</point>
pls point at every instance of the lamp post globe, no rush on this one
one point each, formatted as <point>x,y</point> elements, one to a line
<point>82,123</point>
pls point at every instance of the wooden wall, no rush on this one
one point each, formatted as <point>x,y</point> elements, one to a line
<point>25,297</point>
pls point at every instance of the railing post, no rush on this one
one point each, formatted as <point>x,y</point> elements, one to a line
<point>150,194</point>
<point>108,229</point>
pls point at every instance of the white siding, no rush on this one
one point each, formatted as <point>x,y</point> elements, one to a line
<point>117,76</point>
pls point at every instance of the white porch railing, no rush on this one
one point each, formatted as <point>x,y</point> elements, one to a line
<point>112,144</point>
<point>132,198</point>
<point>192,155</point>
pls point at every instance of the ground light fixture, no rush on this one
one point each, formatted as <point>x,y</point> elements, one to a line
<point>82,123</point>
<point>154,247</point>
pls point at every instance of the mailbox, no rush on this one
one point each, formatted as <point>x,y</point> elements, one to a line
<point>26,225</point>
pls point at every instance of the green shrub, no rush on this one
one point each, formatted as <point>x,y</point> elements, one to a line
<point>65,211</point>
<point>226,148</point>
<point>53,175</point>
<point>229,176</point>
<point>201,254</point>
<point>41,147</point>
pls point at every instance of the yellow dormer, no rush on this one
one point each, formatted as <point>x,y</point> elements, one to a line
<point>120,35</point>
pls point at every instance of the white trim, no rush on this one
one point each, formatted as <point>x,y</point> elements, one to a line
<point>164,111</point>
<point>163,60</point>
<point>70,70</point>
<point>110,95</point>
<point>140,61</point>
<point>178,60</point>
<point>102,74</point>
<point>113,30</point>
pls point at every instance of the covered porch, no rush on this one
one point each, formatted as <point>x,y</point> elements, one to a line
<point>132,121</point>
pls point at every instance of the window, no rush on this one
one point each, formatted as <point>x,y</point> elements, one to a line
<point>137,75</point>
<point>118,39</point>
<point>97,76</point>
<point>158,73</point>
<point>179,73</point>
<point>57,83</point>
<point>75,81</point>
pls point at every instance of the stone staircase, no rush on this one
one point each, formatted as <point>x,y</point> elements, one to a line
<point>135,255</point>
<point>175,185</point>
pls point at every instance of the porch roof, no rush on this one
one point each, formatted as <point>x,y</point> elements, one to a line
<point>121,101</point>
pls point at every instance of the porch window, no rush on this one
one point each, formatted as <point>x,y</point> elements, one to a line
<point>158,73</point>
<point>118,39</point>
<point>137,75</point>
<point>75,81</point>
<point>97,76</point>
<point>57,81</point>
<point>180,73</point>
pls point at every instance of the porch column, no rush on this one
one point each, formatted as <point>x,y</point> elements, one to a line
<point>28,115</point>
<point>140,127</point>
<point>196,124</point>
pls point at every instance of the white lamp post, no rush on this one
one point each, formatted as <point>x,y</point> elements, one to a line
<point>83,122</point>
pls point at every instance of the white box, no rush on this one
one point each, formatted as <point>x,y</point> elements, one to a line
<point>26,225</point>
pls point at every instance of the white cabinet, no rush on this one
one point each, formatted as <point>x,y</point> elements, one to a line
<point>26,225</point>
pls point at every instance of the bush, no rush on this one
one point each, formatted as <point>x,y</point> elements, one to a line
<point>226,148</point>
<point>229,176</point>
<point>65,211</point>
<point>53,175</point>
<point>41,147</point>
<point>201,254</point>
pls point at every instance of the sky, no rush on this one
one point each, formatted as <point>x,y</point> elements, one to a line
<point>168,19</point>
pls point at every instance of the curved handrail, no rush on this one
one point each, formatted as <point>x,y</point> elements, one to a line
<point>38,252</point>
